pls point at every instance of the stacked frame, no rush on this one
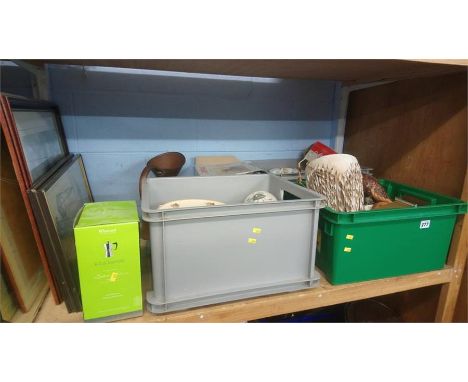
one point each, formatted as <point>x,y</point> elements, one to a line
<point>35,141</point>
<point>56,202</point>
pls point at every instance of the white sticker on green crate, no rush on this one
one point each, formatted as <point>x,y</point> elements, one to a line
<point>349,237</point>
<point>251,240</point>
<point>424,224</point>
<point>347,249</point>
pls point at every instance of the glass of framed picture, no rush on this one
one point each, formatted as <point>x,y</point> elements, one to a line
<point>56,202</point>
<point>40,134</point>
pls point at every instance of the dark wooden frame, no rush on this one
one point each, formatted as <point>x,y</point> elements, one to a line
<point>23,176</point>
<point>65,273</point>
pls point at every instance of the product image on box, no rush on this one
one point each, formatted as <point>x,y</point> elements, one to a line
<point>108,252</point>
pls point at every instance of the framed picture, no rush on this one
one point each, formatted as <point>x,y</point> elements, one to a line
<point>19,252</point>
<point>56,202</point>
<point>34,139</point>
<point>38,132</point>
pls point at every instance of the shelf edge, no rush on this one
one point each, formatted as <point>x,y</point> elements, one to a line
<point>324,295</point>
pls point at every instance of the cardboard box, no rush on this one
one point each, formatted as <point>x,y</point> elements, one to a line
<point>224,165</point>
<point>215,159</point>
<point>108,252</point>
<point>203,164</point>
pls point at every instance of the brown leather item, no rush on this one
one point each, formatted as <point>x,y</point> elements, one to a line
<point>166,164</point>
<point>373,189</point>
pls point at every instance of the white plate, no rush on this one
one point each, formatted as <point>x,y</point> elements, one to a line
<point>186,203</point>
<point>284,171</point>
<point>260,197</point>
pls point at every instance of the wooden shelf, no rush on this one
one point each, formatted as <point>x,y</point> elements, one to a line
<point>323,295</point>
<point>347,71</point>
<point>427,105</point>
<point>272,305</point>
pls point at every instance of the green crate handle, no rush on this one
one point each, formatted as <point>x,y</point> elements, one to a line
<point>398,189</point>
<point>326,227</point>
<point>420,195</point>
<point>439,205</point>
<point>390,215</point>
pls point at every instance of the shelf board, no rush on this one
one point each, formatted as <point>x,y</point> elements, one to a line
<point>268,306</point>
<point>323,295</point>
<point>347,71</point>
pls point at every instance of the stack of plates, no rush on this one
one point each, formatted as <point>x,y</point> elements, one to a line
<point>284,171</point>
<point>186,203</point>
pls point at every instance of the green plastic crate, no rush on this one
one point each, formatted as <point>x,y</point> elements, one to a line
<point>367,245</point>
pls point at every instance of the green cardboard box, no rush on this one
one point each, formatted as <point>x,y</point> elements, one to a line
<point>108,252</point>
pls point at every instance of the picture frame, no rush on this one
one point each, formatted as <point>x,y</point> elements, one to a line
<point>56,202</point>
<point>19,251</point>
<point>23,176</point>
<point>38,135</point>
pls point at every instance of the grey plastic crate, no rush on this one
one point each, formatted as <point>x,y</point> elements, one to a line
<point>215,254</point>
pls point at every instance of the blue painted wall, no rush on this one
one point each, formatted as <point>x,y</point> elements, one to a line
<point>118,119</point>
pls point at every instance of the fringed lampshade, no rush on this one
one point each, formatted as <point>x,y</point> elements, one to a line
<point>337,177</point>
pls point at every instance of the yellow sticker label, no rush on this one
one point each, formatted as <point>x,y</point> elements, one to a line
<point>350,237</point>
<point>256,230</point>
<point>113,277</point>
<point>347,249</point>
<point>251,240</point>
